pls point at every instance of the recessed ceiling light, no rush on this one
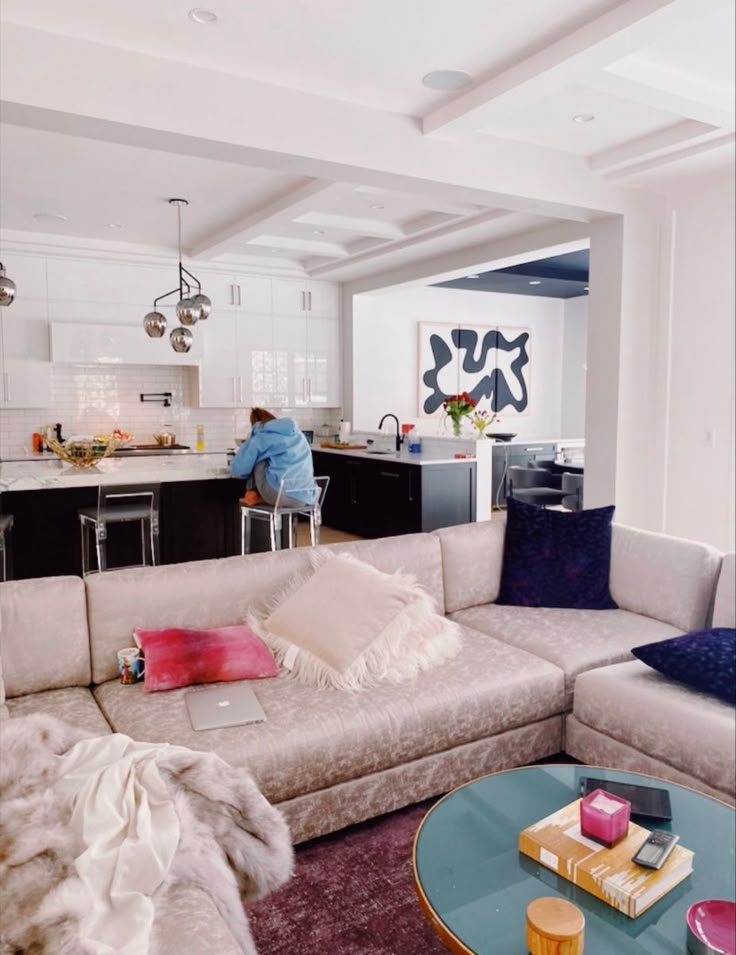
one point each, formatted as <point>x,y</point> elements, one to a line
<point>583,118</point>
<point>535,282</point>
<point>200,15</point>
<point>273,250</point>
<point>318,231</point>
<point>114,225</point>
<point>49,217</point>
<point>376,205</point>
<point>473,276</point>
<point>447,81</point>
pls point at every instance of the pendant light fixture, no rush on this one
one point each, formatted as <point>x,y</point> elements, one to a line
<point>190,309</point>
<point>7,288</point>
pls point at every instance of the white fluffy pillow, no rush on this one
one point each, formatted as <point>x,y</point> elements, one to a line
<point>349,625</point>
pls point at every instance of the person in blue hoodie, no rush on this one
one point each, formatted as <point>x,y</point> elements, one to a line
<point>276,450</point>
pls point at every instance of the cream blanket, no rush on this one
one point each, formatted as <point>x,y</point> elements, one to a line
<point>93,831</point>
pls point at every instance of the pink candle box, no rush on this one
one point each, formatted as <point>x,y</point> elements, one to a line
<point>604,817</point>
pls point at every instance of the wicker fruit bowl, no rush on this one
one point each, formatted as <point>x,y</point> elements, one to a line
<point>86,452</point>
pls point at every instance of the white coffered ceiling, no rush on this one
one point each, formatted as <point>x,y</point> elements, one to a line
<point>302,135</point>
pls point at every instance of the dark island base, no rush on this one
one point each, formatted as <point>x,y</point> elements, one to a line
<point>198,520</point>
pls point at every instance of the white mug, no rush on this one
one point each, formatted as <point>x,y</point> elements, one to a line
<point>130,665</point>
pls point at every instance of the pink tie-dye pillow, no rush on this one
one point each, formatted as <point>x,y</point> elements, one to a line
<point>176,657</point>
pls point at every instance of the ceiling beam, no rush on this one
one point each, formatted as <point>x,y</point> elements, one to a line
<point>304,246</point>
<point>697,150</point>
<point>277,211</point>
<point>352,225</point>
<point>614,34</point>
<point>664,141</point>
<point>458,225</point>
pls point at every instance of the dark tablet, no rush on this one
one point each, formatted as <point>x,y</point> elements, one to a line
<point>649,802</point>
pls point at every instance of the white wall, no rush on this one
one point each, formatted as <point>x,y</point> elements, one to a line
<point>574,362</point>
<point>699,495</point>
<point>385,370</point>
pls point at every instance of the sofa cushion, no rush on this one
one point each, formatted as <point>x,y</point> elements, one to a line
<point>724,611</point>
<point>314,738</point>
<point>383,627</point>
<point>176,657</point>
<point>472,558</point>
<point>219,593</point>
<point>574,640</point>
<point>688,730</point>
<point>667,578</point>
<point>704,660</point>
<point>75,704</point>
<point>44,640</point>
<point>556,558</point>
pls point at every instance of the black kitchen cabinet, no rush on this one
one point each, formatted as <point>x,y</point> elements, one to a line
<point>516,455</point>
<point>384,497</point>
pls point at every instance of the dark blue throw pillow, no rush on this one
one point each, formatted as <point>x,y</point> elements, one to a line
<point>556,558</point>
<point>704,660</point>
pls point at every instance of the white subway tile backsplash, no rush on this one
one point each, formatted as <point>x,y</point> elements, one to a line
<point>94,400</point>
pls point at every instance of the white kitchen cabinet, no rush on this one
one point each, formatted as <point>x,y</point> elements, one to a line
<point>25,370</point>
<point>307,327</point>
<point>235,293</point>
<point>85,343</point>
<point>219,373</point>
<point>105,283</point>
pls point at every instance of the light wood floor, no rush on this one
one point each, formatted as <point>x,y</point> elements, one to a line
<point>327,535</point>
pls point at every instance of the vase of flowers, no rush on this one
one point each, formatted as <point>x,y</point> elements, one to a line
<point>481,420</point>
<point>458,407</point>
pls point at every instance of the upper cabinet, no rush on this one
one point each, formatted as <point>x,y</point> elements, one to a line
<point>25,372</point>
<point>294,297</point>
<point>87,343</point>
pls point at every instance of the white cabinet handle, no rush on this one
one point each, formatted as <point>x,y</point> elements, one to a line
<point>309,301</point>
<point>309,389</point>
<point>240,380</point>
<point>232,294</point>
<point>304,301</point>
<point>235,394</point>
<point>239,298</point>
<point>304,388</point>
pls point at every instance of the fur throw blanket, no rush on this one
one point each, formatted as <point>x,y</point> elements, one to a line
<point>232,845</point>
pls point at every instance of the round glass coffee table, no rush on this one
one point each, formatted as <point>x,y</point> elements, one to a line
<point>475,885</point>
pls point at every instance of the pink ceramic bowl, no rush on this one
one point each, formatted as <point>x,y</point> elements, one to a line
<point>711,927</point>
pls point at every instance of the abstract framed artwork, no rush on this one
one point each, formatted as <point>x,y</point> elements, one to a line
<point>491,363</point>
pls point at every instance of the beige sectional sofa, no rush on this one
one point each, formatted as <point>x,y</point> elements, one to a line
<point>329,758</point>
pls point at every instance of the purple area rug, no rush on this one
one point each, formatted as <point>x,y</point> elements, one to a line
<point>352,893</point>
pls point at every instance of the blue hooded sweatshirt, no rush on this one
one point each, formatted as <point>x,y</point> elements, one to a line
<point>282,444</point>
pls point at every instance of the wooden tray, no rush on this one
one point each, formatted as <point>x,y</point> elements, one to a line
<point>343,447</point>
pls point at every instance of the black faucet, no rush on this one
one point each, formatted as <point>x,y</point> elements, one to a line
<point>398,437</point>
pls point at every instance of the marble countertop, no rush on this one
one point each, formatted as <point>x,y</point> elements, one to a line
<point>433,456</point>
<point>45,474</point>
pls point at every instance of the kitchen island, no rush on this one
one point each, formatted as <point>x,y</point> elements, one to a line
<point>198,511</point>
<point>378,493</point>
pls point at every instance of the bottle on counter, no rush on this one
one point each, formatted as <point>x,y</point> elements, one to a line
<point>200,437</point>
<point>413,439</point>
<point>38,442</point>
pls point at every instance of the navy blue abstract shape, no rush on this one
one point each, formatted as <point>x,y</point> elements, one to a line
<point>492,385</point>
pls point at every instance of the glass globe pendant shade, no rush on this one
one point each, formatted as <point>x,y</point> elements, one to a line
<point>181,340</point>
<point>204,305</point>
<point>7,288</point>
<point>187,311</point>
<point>155,324</point>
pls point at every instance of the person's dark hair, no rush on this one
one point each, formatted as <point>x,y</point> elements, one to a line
<point>261,415</point>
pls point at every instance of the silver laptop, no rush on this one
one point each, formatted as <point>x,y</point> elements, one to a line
<point>232,704</point>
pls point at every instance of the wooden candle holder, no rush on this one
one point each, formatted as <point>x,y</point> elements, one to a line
<point>554,927</point>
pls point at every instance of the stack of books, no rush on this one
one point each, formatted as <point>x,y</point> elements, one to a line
<point>609,874</point>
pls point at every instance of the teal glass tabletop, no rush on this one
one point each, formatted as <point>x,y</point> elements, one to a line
<point>477,884</point>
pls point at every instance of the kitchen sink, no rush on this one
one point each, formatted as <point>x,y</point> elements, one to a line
<point>381,451</point>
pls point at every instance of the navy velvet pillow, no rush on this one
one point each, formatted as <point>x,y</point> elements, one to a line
<point>556,558</point>
<point>705,660</point>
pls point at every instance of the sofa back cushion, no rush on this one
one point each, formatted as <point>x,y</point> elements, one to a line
<point>667,578</point>
<point>218,593</point>
<point>44,640</point>
<point>472,560</point>
<point>724,611</point>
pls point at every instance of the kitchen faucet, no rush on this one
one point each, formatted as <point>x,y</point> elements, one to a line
<point>398,437</point>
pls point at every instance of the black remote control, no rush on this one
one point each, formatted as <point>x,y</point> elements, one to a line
<point>655,849</point>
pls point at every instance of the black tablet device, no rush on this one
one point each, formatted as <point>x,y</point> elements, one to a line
<point>649,802</point>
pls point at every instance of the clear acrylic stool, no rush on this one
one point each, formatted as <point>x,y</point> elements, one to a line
<point>117,504</point>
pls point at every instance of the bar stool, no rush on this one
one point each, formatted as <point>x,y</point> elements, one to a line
<point>6,537</point>
<point>274,515</point>
<point>534,486</point>
<point>118,504</point>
